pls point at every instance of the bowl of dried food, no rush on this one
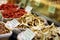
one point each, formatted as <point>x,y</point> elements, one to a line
<point>5,33</point>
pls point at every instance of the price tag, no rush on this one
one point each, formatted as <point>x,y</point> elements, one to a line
<point>51,9</point>
<point>28,9</point>
<point>27,35</point>
<point>12,24</point>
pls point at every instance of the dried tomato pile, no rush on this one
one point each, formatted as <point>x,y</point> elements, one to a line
<point>11,11</point>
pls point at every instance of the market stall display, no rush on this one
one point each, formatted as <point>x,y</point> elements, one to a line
<point>50,32</point>
<point>27,25</point>
<point>42,31</point>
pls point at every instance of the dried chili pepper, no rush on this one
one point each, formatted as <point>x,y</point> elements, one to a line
<point>11,11</point>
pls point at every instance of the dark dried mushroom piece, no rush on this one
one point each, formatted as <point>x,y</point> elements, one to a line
<point>50,39</point>
<point>30,23</point>
<point>33,39</point>
<point>44,30</point>
<point>22,19</point>
<point>58,34</point>
<point>53,35</point>
<point>38,38</point>
<point>42,20</point>
<point>36,22</point>
<point>22,26</point>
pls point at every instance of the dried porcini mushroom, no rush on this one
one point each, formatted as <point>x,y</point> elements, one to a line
<point>23,19</point>
<point>58,34</point>
<point>22,26</point>
<point>36,22</point>
<point>30,23</point>
<point>53,35</point>
<point>50,39</point>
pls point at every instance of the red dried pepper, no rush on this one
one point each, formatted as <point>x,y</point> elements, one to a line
<point>11,11</point>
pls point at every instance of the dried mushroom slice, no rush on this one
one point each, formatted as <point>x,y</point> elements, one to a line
<point>49,38</point>
<point>28,19</point>
<point>45,31</point>
<point>58,34</point>
<point>58,30</point>
<point>56,38</point>
<point>36,22</point>
<point>36,38</point>
<point>53,28</point>
<point>22,20</point>
<point>41,19</point>
<point>30,23</point>
<point>22,26</point>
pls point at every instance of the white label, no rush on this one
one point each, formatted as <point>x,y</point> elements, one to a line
<point>12,24</point>
<point>27,35</point>
<point>28,9</point>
